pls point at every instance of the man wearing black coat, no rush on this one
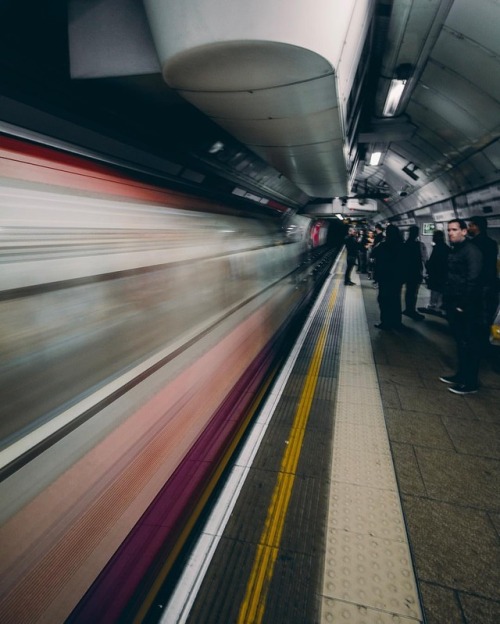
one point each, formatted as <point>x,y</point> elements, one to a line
<point>437,268</point>
<point>477,229</point>
<point>389,274</point>
<point>462,302</point>
<point>352,248</point>
<point>415,257</point>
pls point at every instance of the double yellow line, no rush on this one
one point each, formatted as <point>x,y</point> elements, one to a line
<point>253,605</point>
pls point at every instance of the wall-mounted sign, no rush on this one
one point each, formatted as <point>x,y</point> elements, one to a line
<point>404,222</point>
<point>428,229</point>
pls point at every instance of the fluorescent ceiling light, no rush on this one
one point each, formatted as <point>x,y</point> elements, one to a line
<point>375,158</point>
<point>339,216</point>
<point>394,97</point>
<point>216,147</point>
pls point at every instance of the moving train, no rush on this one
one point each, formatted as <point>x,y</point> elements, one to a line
<point>168,189</point>
<point>139,326</point>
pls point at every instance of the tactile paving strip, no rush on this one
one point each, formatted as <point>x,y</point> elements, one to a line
<point>350,505</point>
<point>338,611</point>
<point>368,575</point>
<point>362,438</point>
<point>359,376</point>
<point>373,572</point>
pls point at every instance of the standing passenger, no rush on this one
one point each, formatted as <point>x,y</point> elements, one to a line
<point>389,276</point>
<point>369,260</point>
<point>377,241</point>
<point>352,247</point>
<point>437,269</point>
<point>477,228</point>
<point>462,301</point>
<point>415,257</point>
<point>363,242</point>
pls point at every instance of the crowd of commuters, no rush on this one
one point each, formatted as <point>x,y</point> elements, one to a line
<point>461,277</point>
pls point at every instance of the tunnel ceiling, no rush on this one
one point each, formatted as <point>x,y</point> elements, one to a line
<point>442,142</point>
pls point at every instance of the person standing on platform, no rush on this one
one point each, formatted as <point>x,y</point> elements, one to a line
<point>378,239</point>
<point>363,242</point>
<point>389,275</point>
<point>352,248</point>
<point>462,301</point>
<point>379,234</point>
<point>369,262</point>
<point>415,257</point>
<point>437,268</point>
<point>478,232</point>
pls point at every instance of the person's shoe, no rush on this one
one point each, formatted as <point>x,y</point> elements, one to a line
<point>414,315</point>
<point>450,379</point>
<point>463,389</point>
<point>349,284</point>
<point>381,326</point>
<point>433,311</point>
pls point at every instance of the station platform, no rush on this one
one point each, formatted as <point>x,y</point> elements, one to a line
<point>365,492</point>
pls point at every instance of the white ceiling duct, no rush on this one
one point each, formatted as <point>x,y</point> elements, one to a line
<point>260,73</point>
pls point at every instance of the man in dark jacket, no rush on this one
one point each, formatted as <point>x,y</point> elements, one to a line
<point>378,239</point>
<point>389,273</point>
<point>437,269</point>
<point>415,257</point>
<point>462,302</point>
<point>478,231</point>
<point>352,248</point>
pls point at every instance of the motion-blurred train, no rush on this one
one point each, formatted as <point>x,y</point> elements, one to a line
<point>138,328</point>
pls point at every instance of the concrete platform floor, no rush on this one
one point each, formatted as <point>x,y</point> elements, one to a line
<point>446,451</point>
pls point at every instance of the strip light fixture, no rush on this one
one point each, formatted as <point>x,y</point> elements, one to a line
<point>375,158</point>
<point>396,88</point>
<point>394,97</point>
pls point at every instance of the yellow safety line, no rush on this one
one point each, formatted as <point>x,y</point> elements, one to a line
<point>253,605</point>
